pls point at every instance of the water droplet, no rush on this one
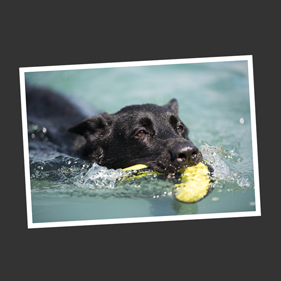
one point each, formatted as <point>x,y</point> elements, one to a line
<point>242,120</point>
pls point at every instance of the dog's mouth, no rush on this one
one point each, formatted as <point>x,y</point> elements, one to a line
<point>172,167</point>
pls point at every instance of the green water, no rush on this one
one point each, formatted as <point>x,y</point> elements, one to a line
<point>213,102</point>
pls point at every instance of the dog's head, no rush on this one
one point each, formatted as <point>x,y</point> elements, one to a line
<point>139,134</point>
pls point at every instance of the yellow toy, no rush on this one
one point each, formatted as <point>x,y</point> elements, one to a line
<point>195,184</point>
<point>135,167</point>
<point>195,181</point>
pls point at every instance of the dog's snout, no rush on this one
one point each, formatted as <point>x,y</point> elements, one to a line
<point>185,153</point>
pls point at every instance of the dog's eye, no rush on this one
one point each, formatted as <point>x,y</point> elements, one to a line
<point>140,133</point>
<point>179,129</point>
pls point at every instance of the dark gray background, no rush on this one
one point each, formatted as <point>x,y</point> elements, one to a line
<point>53,35</point>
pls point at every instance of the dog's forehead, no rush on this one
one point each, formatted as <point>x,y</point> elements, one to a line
<point>134,116</point>
<point>135,112</point>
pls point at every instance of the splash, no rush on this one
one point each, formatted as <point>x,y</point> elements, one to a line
<point>76,177</point>
<point>227,164</point>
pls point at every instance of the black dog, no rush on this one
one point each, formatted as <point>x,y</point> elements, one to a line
<point>138,134</point>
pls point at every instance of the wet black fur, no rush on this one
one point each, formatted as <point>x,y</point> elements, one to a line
<point>138,134</point>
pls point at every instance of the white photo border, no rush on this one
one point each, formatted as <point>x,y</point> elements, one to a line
<point>257,212</point>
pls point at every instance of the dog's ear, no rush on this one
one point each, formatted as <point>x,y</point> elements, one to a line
<point>92,125</point>
<point>173,105</point>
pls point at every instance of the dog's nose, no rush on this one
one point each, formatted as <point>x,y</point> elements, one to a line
<point>185,153</point>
